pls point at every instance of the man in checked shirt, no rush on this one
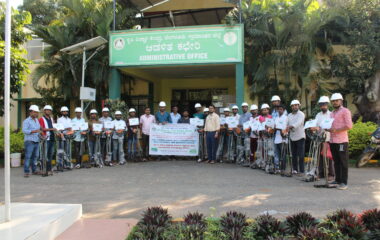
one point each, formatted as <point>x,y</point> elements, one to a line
<point>339,140</point>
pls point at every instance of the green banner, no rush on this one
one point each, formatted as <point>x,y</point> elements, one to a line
<point>185,45</point>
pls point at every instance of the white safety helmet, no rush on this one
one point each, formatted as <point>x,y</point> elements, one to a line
<point>275,98</point>
<point>48,107</point>
<point>64,109</point>
<point>198,105</point>
<point>34,108</point>
<point>226,110</point>
<point>336,96</point>
<point>118,113</point>
<point>105,109</point>
<point>294,102</point>
<point>244,104</point>
<point>93,111</point>
<point>132,110</point>
<point>324,99</point>
<point>264,106</point>
<point>235,107</point>
<point>162,104</point>
<point>78,110</point>
<point>254,107</point>
<point>206,110</point>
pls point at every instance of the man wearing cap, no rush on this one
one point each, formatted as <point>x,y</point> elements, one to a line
<point>206,111</point>
<point>212,127</point>
<point>162,117</point>
<point>92,135</point>
<point>276,101</point>
<point>199,113</point>
<point>297,137</point>
<point>65,121</point>
<point>146,121</point>
<point>174,115</point>
<point>339,139</point>
<point>79,137</point>
<point>324,114</point>
<point>103,139</point>
<point>118,137</point>
<point>31,128</point>
<point>254,117</point>
<point>46,123</point>
<point>246,115</point>
<point>242,135</point>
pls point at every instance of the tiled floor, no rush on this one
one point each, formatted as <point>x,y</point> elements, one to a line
<point>98,229</point>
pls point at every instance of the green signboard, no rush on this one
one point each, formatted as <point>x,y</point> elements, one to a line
<point>185,45</point>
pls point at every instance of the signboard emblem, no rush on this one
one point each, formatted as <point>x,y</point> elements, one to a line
<point>230,38</point>
<point>119,43</point>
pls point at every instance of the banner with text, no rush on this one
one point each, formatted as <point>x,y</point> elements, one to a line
<point>173,139</point>
<point>186,45</point>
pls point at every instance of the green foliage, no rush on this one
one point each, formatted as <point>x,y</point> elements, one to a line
<point>79,21</point>
<point>195,226</point>
<point>117,105</point>
<point>265,227</point>
<point>16,140</point>
<point>19,63</point>
<point>299,221</point>
<point>43,11</point>
<point>348,224</point>
<point>313,233</point>
<point>234,224</point>
<point>371,219</point>
<point>214,231</point>
<point>359,136</point>
<point>154,223</point>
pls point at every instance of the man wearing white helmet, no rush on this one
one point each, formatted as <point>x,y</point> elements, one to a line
<point>63,147</point>
<point>103,139</point>
<point>132,135</point>
<point>198,110</point>
<point>92,135</point>
<point>235,112</point>
<point>339,139</point>
<point>31,128</point>
<point>254,117</point>
<point>297,137</point>
<point>246,114</point>
<point>46,123</point>
<point>264,109</point>
<point>324,114</point>
<point>162,117</point>
<point>79,137</point>
<point>118,137</point>
<point>276,101</point>
<point>281,122</point>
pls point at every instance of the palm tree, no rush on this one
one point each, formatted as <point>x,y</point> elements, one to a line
<point>83,19</point>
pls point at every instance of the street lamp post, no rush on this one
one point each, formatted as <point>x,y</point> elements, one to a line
<point>7,69</point>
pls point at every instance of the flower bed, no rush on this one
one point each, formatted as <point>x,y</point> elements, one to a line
<point>157,224</point>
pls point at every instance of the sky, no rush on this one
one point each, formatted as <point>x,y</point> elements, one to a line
<point>14,3</point>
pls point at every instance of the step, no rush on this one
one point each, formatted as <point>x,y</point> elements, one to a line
<point>35,221</point>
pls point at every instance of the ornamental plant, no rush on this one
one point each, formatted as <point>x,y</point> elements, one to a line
<point>234,224</point>
<point>153,224</point>
<point>298,221</point>
<point>266,227</point>
<point>348,224</point>
<point>371,219</point>
<point>195,226</point>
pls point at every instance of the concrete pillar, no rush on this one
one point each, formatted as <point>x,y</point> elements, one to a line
<point>114,83</point>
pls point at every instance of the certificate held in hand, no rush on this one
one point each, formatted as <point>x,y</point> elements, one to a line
<point>97,127</point>
<point>327,123</point>
<point>133,122</point>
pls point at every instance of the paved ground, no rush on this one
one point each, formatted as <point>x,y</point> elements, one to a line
<point>182,186</point>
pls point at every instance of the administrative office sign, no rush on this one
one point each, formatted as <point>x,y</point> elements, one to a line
<point>186,45</point>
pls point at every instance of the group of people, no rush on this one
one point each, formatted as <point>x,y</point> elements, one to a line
<point>259,138</point>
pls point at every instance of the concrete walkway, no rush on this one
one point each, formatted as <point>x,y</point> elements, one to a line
<point>182,186</point>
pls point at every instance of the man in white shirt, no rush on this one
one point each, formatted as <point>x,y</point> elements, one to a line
<point>320,117</point>
<point>103,139</point>
<point>63,148</point>
<point>79,137</point>
<point>297,137</point>
<point>175,115</point>
<point>118,139</point>
<point>254,117</point>
<point>280,122</point>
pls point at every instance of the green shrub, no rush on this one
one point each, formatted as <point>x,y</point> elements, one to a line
<point>234,225</point>
<point>359,136</point>
<point>296,222</point>
<point>17,141</point>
